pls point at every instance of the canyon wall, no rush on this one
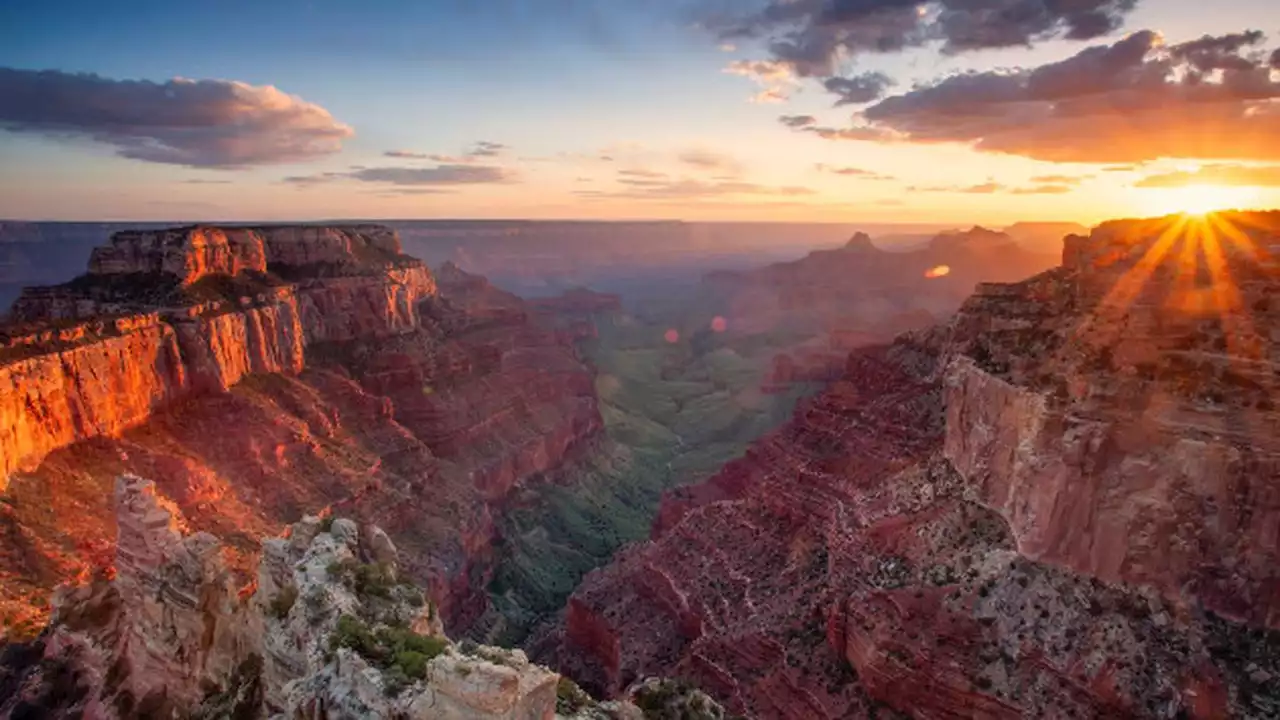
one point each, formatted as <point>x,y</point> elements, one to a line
<point>1060,504</point>
<point>328,629</point>
<point>339,376</point>
<point>102,379</point>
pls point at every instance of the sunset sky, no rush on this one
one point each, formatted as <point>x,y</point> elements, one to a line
<point>825,110</point>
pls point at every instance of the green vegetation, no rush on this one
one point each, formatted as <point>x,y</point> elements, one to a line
<point>376,580</point>
<point>570,698</point>
<point>283,602</point>
<point>673,415</point>
<point>676,700</point>
<point>401,653</point>
<point>326,525</point>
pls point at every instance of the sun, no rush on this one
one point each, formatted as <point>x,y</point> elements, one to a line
<point>1197,199</point>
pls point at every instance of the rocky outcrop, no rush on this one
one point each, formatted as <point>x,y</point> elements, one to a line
<point>328,630</point>
<point>100,379</point>
<point>1052,506</point>
<point>1119,412</point>
<point>358,386</point>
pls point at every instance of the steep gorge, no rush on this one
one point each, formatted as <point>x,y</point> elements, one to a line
<point>264,373</point>
<point>1061,503</point>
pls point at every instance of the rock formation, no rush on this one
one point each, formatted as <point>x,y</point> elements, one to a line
<point>815,310</point>
<point>327,631</point>
<point>1060,504</point>
<point>263,373</point>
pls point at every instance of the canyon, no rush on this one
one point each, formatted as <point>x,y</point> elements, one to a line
<point>251,370</point>
<point>1052,496</point>
<point>1060,503</point>
<point>327,629</point>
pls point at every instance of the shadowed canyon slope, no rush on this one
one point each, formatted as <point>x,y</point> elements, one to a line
<point>260,373</point>
<point>1063,503</point>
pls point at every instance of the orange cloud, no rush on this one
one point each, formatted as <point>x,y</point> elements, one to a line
<point>1234,175</point>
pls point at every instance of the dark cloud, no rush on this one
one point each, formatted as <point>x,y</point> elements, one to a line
<point>1275,59</point>
<point>810,37</point>
<point>853,172</point>
<point>858,89</point>
<point>1238,175</point>
<point>487,149</point>
<point>482,149</point>
<point>1131,101</point>
<point>202,181</point>
<point>412,176</point>
<point>197,123</point>
<point>798,121</point>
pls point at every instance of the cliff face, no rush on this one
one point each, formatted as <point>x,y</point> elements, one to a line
<point>327,630</point>
<point>1060,504</point>
<point>329,370</point>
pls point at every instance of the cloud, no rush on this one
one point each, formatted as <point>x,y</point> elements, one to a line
<point>798,121</point>
<point>775,79</point>
<point>853,172</point>
<point>1132,101</point>
<point>400,192</point>
<point>645,189</point>
<point>412,176</point>
<point>196,123</point>
<point>991,188</point>
<point>203,181</point>
<point>1042,190</point>
<point>860,133</point>
<point>641,173</point>
<point>485,148</point>
<point>812,37</point>
<point>770,96</point>
<point>1234,175</point>
<point>858,89</point>
<point>708,160</point>
<point>1060,179</point>
<point>482,149</point>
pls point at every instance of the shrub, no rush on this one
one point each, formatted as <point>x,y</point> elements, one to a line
<point>326,523</point>
<point>570,698</point>
<point>283,602</point>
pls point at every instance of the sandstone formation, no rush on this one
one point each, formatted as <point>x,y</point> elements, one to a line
<point>164,314</point>
<point>331,370</point>
<point>327,631</point>
<point>1061,504</point>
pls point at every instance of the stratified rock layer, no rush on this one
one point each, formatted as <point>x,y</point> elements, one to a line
<point>326,631</point>
<point>331,370</point>
<point>1062,504</point>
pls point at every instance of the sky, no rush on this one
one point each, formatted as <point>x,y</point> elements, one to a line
<point>964,111</point>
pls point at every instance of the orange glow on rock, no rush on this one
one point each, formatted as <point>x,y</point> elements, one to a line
<point>937,272</point>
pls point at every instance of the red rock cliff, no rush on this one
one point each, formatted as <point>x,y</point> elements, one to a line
<point>333,378</point>
<point>61,386</point>
<point>989,520</point>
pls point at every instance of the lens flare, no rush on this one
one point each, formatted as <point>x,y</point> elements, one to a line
<point>719,324</point>
<point>672,336</point>
<point>937,272</point>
